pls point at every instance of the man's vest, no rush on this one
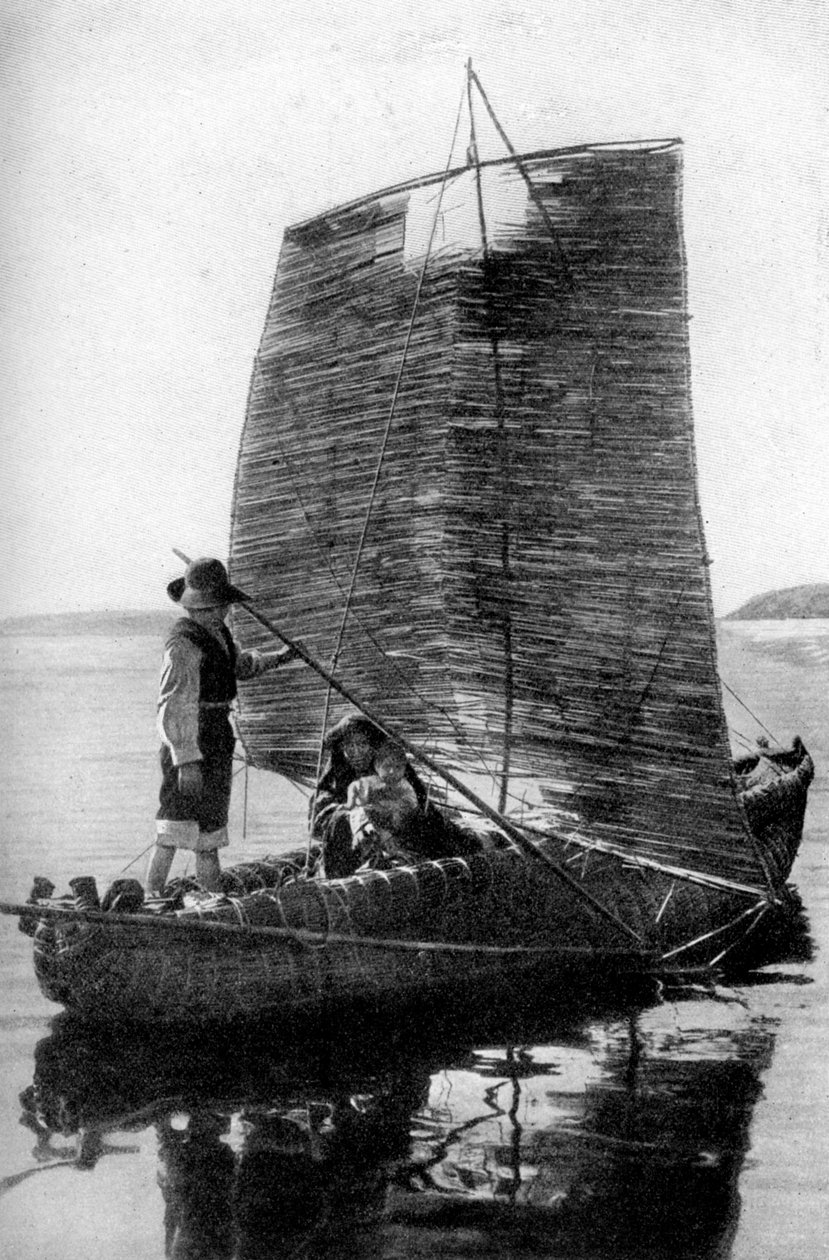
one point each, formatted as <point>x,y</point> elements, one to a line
<point>217,677</point>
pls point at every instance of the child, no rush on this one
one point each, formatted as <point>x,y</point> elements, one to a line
<point>382,808</point>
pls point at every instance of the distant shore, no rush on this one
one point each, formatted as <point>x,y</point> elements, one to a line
<point>113,622</point>
<point>794,603</point>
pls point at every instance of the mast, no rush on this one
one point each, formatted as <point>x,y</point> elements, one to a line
<point>503,454</point>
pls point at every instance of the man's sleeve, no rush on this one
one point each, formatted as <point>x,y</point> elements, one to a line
<point>253,662</point>
<point>250,664</point>
<point>178,701</point>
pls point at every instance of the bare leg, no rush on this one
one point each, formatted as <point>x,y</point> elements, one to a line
<point>159,868</point>
<point>208,872</point>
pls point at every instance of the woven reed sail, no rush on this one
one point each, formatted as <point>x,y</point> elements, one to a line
<point>532,601</point>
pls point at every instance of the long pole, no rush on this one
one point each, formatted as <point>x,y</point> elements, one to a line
<point>503,450</point>
<point>358,555</point>
<point>176,925</point>
<point>522,171</point>
<point>526,845</point>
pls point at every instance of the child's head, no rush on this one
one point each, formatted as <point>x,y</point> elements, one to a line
<point>390,762</point>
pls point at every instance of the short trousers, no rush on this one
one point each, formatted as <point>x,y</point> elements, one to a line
<point>171,834</point>
<point>210,810</point>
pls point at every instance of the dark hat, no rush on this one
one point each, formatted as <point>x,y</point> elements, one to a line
<point>353,724</point>
<point>205,585</point>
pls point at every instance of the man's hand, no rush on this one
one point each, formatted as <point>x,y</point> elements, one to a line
<point>190,779</point>
<point>273,660</point>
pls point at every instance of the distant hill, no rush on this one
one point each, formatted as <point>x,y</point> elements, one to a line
<point>790,604</point>
<point>116,622</point>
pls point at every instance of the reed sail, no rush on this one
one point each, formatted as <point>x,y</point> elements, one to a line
<point>532,599</point>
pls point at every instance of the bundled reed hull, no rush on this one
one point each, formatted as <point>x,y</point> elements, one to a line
<point>138,972</point>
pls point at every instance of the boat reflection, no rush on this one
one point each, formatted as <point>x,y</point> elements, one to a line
<point>616,1132</point>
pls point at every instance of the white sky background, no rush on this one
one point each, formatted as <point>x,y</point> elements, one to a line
<point>154,152</point>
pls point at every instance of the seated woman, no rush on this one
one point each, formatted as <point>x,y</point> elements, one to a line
<point>352,745</point>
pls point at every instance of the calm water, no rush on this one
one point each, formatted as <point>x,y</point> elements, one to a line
<point>682,1125</point>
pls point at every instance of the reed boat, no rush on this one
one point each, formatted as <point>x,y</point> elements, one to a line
<point>466,482</point>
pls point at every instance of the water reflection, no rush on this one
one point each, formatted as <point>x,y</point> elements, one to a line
<point>634,1152</point>
<point>614,1132</point>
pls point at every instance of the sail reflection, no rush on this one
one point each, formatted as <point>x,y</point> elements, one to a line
<point>617,1132</point>
<point>631,1147</point>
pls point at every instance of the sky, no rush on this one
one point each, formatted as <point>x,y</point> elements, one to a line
<point>153,153</point>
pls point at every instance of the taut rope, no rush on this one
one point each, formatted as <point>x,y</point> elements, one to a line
<point>380,459</point>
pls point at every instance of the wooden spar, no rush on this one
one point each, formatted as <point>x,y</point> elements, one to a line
<point>302,936</point>
<point>759,909</point>
<point>733,693</point>
<point>493,815</point>
<point>522,170</point>
<point>380,460</point>
<point>504,459</point>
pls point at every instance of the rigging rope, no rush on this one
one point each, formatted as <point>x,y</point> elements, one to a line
<point>285,394</point>
<point>761,906</point>
<point>522,170</point>
<point>733,693</point>
<point>504,461</point>
<point>748,744</point>
<point>471,77</point>
<point>395,395</point>
<point>624,738</point>
<point>380,460</point>
<point>659,655</point>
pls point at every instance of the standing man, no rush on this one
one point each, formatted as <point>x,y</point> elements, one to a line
<point>198,686</point>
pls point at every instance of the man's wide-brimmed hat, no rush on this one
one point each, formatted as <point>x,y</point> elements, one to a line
<point>205,585</point>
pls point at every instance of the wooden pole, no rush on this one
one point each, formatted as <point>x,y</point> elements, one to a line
<point>508,827</point>
<point>522,170</point>
<point>173,923</point>
<point>503,455</point>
